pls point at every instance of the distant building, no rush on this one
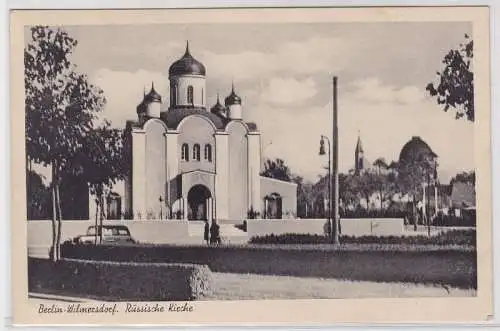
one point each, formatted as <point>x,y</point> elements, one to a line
<point>463,198</point>
<point>360,162</point>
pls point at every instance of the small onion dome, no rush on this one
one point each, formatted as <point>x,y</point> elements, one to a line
<point>152,96</point>
<point>187,65</point>
<point>233,98</point>
<point>218,108</point>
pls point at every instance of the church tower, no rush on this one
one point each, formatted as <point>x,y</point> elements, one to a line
<point>187,82</point>
<point>233,105</point>
<point>359,157</point>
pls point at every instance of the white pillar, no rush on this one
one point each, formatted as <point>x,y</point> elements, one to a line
<point>185,208</point>
<point>265,208</point>
<point>254,164</point>
<point>209,209</point>
<point>222,175</point>
<point>139,188</point>
<point>435,200</point>
<point>424,214</point>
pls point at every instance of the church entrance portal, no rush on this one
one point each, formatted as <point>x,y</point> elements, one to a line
<point>198,202</point>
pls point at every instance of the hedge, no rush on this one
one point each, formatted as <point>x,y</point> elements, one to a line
<point>452,237</point>
<point>416,264</point>
<point>120,281</point>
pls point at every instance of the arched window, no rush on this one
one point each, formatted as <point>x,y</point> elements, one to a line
<point>196,152</point>
<point>185,152</point>
<point>173,95</point>
<point>208,152</point>
<point>190,95</point>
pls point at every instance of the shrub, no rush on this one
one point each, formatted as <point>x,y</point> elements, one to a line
<point>385,263</point>
<point>119,281</point>
<point>290,239</point>
<point>452,237</point>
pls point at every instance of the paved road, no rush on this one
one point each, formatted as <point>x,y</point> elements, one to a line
<point>38,298</point>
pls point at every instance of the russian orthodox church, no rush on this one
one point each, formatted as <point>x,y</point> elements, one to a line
<point>194,162</point>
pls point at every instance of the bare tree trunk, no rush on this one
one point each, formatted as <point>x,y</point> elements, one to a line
<point>59,228</point>
<point>54,224</point>
<point>98,203</point>
<point>101,215</point>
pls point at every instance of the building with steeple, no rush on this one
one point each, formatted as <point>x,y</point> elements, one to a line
<point>358,157</point>
<point>361,163</point>
<point>194,162</point>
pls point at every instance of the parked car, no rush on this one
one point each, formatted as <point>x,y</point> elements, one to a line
<point>111,234</point>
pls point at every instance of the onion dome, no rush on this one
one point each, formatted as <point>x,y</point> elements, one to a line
<point>218,108</point>
<point>187,65</point>
<point>416,149</point>
<point>152,96</point>
<point>233,98</point>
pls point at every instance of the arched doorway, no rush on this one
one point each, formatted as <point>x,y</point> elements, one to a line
<point>198,197</point>
<point>273,206</point>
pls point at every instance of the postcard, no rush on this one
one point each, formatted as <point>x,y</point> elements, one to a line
<point>263,166</point>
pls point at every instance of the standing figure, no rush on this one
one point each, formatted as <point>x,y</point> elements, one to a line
<point>206,234</point>
<point>214,233</point>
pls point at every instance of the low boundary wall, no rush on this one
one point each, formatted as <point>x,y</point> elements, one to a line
<point>153,232</point>
<point>349,226</point>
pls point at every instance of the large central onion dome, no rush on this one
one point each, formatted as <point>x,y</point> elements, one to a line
<point>414,150</point>
<point>187,65</point>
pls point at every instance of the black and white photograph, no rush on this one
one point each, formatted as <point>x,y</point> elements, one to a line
<point>169,164</point>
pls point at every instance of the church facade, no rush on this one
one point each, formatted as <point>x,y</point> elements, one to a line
<point>193,162</point>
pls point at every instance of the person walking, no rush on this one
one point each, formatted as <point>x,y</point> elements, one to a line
<point>206,234</point>
<point>214,233</point>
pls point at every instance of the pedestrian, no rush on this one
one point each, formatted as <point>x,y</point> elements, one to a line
<point>206,234</point>
<point>214,233</point>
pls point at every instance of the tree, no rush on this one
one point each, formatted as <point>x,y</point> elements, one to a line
<point>381,179</point>
<point>277,169</point>
<point>61,109</point>
<point>366,184</point>
<point>101,163</point>
<point>348,190</point>
<point>456,81</point>
<point>305,196</point>
<point>410,178</point>
<point>464,177</point>
<point>37,197</point>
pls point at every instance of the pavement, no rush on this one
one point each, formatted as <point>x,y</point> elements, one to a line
<point>44,297</point>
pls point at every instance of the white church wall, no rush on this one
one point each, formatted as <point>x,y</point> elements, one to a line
<point>199,91</point>
<point>196,130</point>
<point>155,168</point>
<point>138,172</point>
<point>222,182</point>
<point>238,171</point>
<point>254,167</point>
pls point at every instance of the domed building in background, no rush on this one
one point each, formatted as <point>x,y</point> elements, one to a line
<point>193,162</point>
<point>416,150</point>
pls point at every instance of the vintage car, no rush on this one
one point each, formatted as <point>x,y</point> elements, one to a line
<point>111,234</point>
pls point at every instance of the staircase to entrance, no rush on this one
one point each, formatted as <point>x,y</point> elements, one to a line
<point>228,232</point>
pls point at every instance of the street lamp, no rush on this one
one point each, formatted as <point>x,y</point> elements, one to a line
<point>333,189</point>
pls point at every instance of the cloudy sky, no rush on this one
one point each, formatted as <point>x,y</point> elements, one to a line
<point>284,73</point>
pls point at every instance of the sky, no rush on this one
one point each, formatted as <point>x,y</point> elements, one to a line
<point>283,72</point>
